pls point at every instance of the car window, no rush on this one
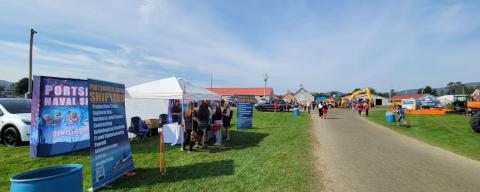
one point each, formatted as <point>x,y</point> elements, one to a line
<point>17,106</point>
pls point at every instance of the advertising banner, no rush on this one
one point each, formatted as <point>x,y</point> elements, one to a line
<point>409,104</point>
<point>111,156</point>
<point>59,116</point>
<point>245,110</point>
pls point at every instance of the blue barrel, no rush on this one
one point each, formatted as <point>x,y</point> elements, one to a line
<point>390,116</point>
<point>56,178</point>
<point>296,112</point>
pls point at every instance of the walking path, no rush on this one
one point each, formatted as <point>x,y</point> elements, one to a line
<point>357,155</point>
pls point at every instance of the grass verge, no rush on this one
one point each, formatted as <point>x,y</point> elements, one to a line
<point>451,132</point>
<point>275,155</point>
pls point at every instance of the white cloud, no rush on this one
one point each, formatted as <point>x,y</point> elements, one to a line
<point>363,46</point>
<point>163,61</point>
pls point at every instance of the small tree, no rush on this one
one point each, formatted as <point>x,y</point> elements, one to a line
<point>427,90</point>
<point>21,87</point>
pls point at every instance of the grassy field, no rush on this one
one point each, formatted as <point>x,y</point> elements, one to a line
<point>451,132</point>
<point>275,155</point>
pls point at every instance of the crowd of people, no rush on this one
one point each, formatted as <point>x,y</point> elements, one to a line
<point>203,124</point>
<point>362,106</point>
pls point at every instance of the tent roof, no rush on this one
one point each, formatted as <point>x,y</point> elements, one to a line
<point>170,88</point>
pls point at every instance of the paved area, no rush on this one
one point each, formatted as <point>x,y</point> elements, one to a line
<point>357,155</point>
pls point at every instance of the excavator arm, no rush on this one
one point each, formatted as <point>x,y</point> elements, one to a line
<point>366,91</point>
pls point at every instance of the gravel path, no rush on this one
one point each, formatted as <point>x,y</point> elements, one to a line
<point>356,155</point>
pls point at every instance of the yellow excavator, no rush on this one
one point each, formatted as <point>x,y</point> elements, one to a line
<point>361,91</point>
<point>358,92</point>
<point>475,119</point>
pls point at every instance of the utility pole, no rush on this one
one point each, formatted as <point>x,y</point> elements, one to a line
<point>211,81</point>
<point>29,93</point>
<point>265,88</point>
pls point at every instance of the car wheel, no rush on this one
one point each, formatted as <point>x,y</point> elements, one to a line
<point>11,137</point>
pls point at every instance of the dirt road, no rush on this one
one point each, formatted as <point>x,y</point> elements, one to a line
<point>357,155</point>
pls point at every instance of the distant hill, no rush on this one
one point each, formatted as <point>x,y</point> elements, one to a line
<point>5,83</point>
<point>413,91</point>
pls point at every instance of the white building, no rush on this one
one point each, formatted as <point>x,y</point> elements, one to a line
<point>303,95</point>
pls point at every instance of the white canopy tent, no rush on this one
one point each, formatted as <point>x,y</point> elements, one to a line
<point>170,88</point>
<point>149,100</point>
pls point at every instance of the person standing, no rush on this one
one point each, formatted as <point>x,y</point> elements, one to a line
<point>227,117</point>
<point>360,108</point>
<point>203,118</point>
<point>275,106</point>
<point>189,117</point>
<point>366,108</point>
<point>176,112</point>
<point>217,125</point>
<point>309,105</point>
<point>324,110</point>
<point>320,109</point>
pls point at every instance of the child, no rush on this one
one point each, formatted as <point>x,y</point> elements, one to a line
<point>401,116</point>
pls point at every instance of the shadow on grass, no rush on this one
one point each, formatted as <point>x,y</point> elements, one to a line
<point>151,176</point>
<point>239,140</point>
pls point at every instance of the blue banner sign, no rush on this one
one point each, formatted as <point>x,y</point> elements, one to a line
<point>111,156</point>
<point>59,116</point>
<point>245,110</point>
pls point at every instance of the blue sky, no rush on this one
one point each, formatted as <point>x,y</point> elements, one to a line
<point>324,45</point>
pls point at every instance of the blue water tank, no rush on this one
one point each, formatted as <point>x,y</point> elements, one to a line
<point>55,178</point>
<point>390,116</point>
<point>296,112</point>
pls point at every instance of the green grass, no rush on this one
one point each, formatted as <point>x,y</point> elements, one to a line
<point>451,132</point>
<point>274,155</point>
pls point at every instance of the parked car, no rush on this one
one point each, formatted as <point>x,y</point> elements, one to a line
<point>270,106</point>
<point>14,121</point>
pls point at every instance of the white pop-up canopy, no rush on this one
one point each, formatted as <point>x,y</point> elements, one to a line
<point>149,100</point>
<point>170,88</point>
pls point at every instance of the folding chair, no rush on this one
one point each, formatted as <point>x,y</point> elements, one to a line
<point>138,128</point>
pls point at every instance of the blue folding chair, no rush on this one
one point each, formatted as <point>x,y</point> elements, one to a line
<point>139,128</point>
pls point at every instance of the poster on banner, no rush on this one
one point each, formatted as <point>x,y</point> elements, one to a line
<point>59,116</point>
<point>111,156</point>
<point>245,110</point>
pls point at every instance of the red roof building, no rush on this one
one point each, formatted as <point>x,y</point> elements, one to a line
<point>230,91</point>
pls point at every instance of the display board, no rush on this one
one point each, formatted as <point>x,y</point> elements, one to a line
<point>409,104</point>
<point>59,116</point>
<point>111,156</point>
<point>245,110</point>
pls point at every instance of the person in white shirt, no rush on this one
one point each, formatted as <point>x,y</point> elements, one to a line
<point>320,109</point>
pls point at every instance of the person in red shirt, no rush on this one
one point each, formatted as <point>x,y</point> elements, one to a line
<point>360,108</point>
<point>324,110</point>
<point>275,106</point>
<point>366,108</point>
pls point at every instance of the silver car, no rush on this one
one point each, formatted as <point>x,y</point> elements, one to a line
<point>14,121</point>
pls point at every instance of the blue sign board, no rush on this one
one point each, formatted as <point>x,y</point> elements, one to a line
<point>245,110</point>
<point>59,115</point>
<point>111,156</point>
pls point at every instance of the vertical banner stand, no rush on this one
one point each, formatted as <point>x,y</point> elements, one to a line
<point>161,156</point>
